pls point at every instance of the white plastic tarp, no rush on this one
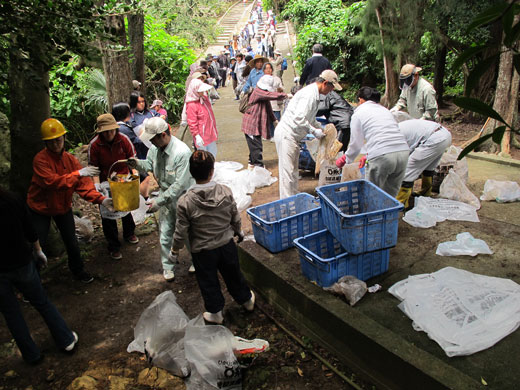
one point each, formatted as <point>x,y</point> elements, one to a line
<point>462,311</point>
<point>428,211</point>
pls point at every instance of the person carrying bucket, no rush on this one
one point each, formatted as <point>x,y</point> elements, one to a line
<point>107,147</point>
<point>169,160</point>
<point>57,174</point>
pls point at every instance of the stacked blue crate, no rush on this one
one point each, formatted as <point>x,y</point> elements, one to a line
<point>362,222</point>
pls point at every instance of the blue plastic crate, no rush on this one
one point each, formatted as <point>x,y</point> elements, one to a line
<point>324,260</point>
<point>361,216</point>
<point>277,224</point>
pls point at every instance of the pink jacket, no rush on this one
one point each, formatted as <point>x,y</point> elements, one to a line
<point>201,120</point>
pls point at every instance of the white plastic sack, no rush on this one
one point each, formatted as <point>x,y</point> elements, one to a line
<point>261,177</point>
<point>105,213</point>
<point>242,182</point>
<point>428,211</point>
<point>159,333</point>
<point>139,215</point>
<point>465,244</point>
<point>329,173</point>
<point>460,166</point>
<point>351,287</point>
<point>453,187</point>
<point>463,312</point>
<point>209,349</point>
<point>84,228</point>
<point>501,191</point>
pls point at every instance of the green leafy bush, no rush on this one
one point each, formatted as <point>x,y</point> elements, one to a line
<point>168,59</point>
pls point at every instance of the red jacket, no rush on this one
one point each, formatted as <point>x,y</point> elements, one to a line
<point>103,155</point>
<point>201,120</point>
<point>55,179</point>
<point>259,116</point>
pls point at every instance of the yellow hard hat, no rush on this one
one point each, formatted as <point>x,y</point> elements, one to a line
<point>52,128</point>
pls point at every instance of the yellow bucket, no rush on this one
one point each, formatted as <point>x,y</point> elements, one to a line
<point>125,195</point>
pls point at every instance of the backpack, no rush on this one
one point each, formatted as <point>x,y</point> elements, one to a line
<point>284,64</point>
<point>243,105</point>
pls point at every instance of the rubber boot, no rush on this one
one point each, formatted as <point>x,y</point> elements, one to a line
<point>404,194</point>
<point>426,183</point>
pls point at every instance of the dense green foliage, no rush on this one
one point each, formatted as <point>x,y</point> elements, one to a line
<point>336,27</point>
<point>414,31</point>
<point>194,20</point>
<point>168,60</point>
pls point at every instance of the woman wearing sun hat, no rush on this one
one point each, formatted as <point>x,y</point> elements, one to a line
<point>200,117</point>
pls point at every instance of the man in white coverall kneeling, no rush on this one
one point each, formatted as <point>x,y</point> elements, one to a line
<point>428,141</point>
<point>298,120</point>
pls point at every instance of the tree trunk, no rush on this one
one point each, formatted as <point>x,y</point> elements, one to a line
<point>116,64</point>
<point>506,99</point>
<point>391,79</point>
<point>30,106</point>
<point>440,67</point>
<point>136,35</point>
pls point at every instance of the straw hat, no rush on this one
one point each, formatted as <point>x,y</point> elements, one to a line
<point>257,57</point>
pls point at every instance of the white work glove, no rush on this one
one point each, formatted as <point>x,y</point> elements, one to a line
<point>108,204</point>
<point>153,207</point>
<point>132,163</point>
<point>41,259</point>
<point>318,133</point>
<point>89,171</point>
<point>394,109</point>
<point>98,187</point>
<point>173,256</point>
<point>199,142</point>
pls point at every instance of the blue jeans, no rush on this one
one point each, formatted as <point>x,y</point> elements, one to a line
<point>27,281</point>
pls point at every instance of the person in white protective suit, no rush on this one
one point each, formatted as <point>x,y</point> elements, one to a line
<point>169,160</point>
<point>427,141</point>
<point>298,120</point>
<point>417,95</point>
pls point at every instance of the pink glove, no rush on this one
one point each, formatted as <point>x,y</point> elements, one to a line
<point>362,161</point>
<point>341,161</point>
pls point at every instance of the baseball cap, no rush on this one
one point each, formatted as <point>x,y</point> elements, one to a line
<point>152,127</point>
<point>408,70</point>
<point>331,76</point>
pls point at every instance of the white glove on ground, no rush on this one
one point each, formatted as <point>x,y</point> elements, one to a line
<point>89,171</point>
<point>318,133</point>
<point>199,142</point>
<point>108,204</point>
<point>40,258</point>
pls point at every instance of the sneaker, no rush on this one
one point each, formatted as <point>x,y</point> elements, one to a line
<point>84,277</point>
<point>214,318</point>
<point>116,255</point>
<point>250,304</point>
<point>70,347</point>
<point>133,239</point>
<point>242,346</point>
<point>191,270</point>
<point>168,275</point>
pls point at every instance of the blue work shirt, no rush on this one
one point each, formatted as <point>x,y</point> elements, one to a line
<point>253,78</point>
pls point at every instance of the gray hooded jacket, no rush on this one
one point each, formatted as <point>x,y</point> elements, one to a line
<point>207,217</point>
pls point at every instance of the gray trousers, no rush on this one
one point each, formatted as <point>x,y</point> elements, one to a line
<point>387,171</point>
<point>426,157</point>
